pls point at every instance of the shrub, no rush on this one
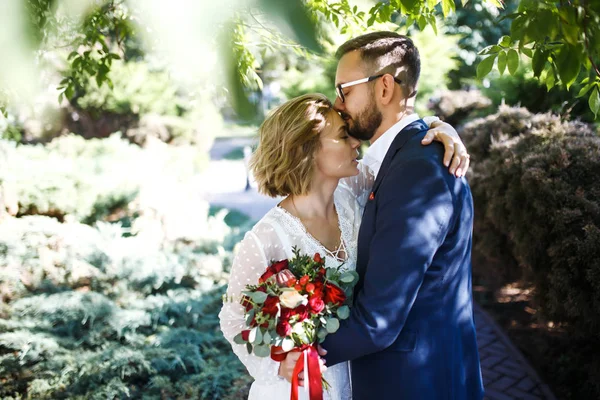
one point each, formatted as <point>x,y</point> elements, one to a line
<point>454,106</point>
<point>95,314</point>
<point>536,193</point>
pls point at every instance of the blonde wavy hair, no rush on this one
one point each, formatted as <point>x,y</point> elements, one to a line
<point>289,139</point>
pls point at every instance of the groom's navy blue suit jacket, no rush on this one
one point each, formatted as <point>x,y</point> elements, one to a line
<point>410,334</point>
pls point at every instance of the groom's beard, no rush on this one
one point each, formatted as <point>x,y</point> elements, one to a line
<point>365,124</point>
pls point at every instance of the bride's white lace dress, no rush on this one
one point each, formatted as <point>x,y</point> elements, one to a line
<point>272,239</point>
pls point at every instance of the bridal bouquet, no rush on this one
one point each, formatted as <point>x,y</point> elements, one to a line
<point>295,305</point>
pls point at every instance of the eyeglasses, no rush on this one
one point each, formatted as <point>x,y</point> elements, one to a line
<point>340,86</point>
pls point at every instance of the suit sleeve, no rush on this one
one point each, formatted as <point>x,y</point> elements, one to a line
<point>413,217</point>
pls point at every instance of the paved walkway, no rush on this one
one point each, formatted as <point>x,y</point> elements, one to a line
<point>506,373</point>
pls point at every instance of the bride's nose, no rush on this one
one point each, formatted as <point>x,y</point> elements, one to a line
<point>354,142</point>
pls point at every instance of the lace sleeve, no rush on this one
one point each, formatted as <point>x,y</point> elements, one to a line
<point>249,263</point>
<point>361,184</point>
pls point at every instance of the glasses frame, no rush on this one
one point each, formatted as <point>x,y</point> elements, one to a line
<point>340,86</point>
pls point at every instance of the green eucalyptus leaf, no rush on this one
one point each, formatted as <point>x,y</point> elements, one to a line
<point>259,297</point>
<point>347,277</point>
<point>262,350</point>
<point>343,312</point>
<point>333,324</point>
<point>238,339</point>
<point>267,339</point>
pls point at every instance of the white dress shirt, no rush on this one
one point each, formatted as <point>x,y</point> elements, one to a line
<point>375,154</point>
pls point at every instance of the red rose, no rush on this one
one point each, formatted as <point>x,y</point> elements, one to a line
<point>322,271</point>
<point>279,266</point>
<point>283,328</point>
<point>268,273</point>
<point>318,290</point>
<point>316,304</point>
<point>286,314</point>
<point>334,294</point>
<point>301,311</point>
<point>270,306</point>
<point>273,269</point>
<point>245,334</point>
<point>318,258</point>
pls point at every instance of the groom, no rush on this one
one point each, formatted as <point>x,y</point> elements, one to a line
<point>410,334</point>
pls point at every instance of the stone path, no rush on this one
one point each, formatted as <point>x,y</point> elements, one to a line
<point>506,373</point>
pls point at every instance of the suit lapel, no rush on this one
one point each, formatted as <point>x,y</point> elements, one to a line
<point>400,140</point>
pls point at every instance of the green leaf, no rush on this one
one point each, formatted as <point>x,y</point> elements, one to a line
<point>485,66</point>
<point>249,348</point>
<point>568,63</point>
<point>494,49</point>
<point>585,89</point>
<point>431,20</point>
<point>347,277</point>
<point>333,324</point>
<point>255,335</point>
<point>505,41</point>
<point>527,51</point>
<point>448,6</point>
<point>594,101</point>
<point>322,333</point>
<point>513,61</point>
<point>432,3</point>
<point>502,62</point>
<point>262,350</point>
<point>238,339</point>
<point>259,297</point>
<point>550,80</point>
<point>343,312</point>
<point>267,338</point>
<point>538,62</point>
<point>422,22</point>
<point>292,16</point>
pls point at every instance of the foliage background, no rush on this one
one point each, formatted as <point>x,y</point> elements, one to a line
<point>112,261</point>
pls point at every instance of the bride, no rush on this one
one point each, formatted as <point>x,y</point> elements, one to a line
<point>305,154</point>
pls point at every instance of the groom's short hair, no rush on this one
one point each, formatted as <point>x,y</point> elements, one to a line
<point>387,53</point>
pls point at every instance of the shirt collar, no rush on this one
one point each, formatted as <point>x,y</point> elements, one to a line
<point>376,152</point>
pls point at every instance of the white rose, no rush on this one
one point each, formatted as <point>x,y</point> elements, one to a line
<point>291,299</point>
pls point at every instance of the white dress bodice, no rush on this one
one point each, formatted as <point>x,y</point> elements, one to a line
<point>272,239</point>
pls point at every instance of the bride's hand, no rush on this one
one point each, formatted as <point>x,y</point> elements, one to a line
<point>455,149</point>
<point>286,367</point>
